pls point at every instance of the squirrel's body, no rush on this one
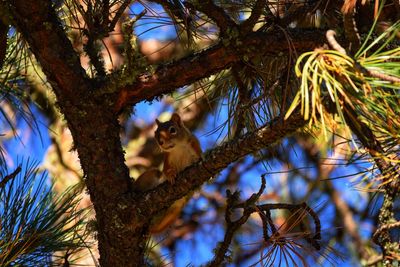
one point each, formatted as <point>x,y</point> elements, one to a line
<point>181,148</point>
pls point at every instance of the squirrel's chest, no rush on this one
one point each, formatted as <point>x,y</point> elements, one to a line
<point>182,157</point>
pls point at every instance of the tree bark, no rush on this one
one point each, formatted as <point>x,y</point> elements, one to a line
<point>94,128</point>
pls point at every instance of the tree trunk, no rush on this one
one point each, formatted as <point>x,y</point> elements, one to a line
<point>95,131</point>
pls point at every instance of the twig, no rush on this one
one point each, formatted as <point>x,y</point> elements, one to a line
<point>376,74</point>
<point>118,15</point>
<point>351,31</point>
<point>233,226</point>
<point>264,212</point>
<point>383,228</point>
<point>390,188</point>
<point>330,36</point>
<point>10,176</point>
<point>93,51</point>
<point>248,24</point>
<point>105,6</point>
<point>175,10</point>
<point>374,260</point>
<point>295,207</point>
<point>297,13</point>
<point>61,160</point>
<point>350,26</point>
<point>214,12</point>
<point>131,53</point>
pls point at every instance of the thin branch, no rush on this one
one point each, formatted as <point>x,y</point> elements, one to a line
<point>118,15</point>
<point>297,12</point>
<point>233,226</point>
<point>330,37</point>
<point>7,178</point>
<point>93,51</point>
<point>377,74</point>
<point>174,8</point>
<point>264,210</point>
<point>60,158</point>
<point>384,228</point>
<point>396,4</point>
<point>351,30</point>
<point>295,209</point>
<point>105,12</point>
<point>248,24</point>
<point>214,12</point>
<point>133,57</point>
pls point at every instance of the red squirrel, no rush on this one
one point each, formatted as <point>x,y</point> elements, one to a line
<point>181,148</point>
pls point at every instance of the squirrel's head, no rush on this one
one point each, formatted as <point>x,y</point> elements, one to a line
<point>171,133</point>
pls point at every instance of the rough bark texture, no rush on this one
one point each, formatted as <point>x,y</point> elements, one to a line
<point>123,218</point>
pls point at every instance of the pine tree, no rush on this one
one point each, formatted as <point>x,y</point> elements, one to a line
<point>295,94</point>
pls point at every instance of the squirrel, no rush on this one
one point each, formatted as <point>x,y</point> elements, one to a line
<point>181,148</point>
<point>148,180</point>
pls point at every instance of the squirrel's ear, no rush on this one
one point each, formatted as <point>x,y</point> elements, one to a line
<point>176,118</point>
<point>158,122</point>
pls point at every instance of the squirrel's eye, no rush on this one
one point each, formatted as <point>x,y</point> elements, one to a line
<point>172,130</point>
<point>161,142</point>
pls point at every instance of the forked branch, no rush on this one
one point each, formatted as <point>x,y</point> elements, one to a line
<point>299,212</point>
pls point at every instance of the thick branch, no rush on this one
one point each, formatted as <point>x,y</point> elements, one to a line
<point>216,160</point>
<point>210,61</point>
